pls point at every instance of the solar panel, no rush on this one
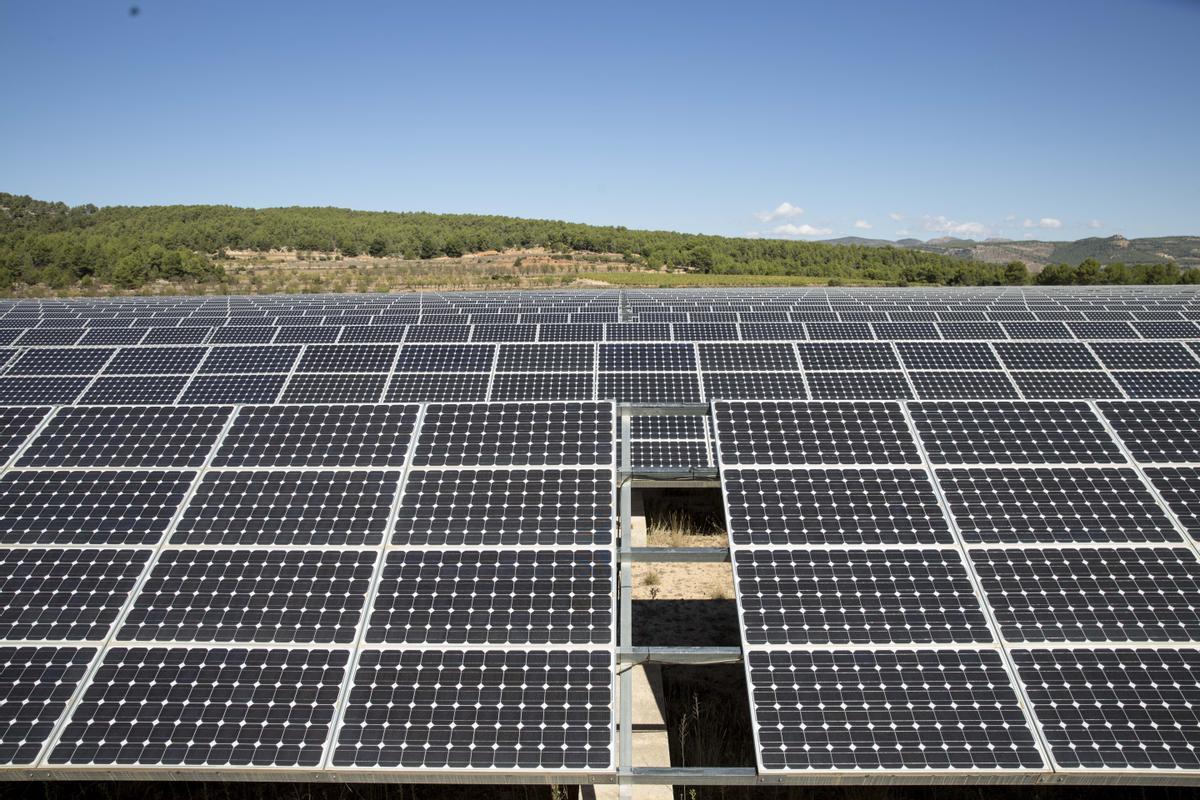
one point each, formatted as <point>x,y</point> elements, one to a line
<point>542,386</point>
<point>494,709</point>
<point>15,426</point>
<point>40,390</point>
<point>499,434</point>
<point>155,360</point>
<point>249,596</point>
<point>887,710</point>
<point>858,385</point>
<point>1092,595</point>
<point>347,358</point>
<point>1107,504</point>
<point>1066,385</point>
<point>656,357</point>
<point>1046,355</point>
<point>546,358</point>
<point>846,355</point>
<point>164,436</point>
<point>336,388</point>
<point>233,389</point>
<point>245,507</point>
<point>250,359</point>
<point>1145,355</point>
<point>962,385</point>
<point>64,594</point>
<point>1160,430</point>
<point>878,596</point>
<point>813,433</point>
<point>774,507</point>
<point>1013,433</point>
<point>174,706</point>
<point>36,685</point>
<point>445,357</point>
<point>1180,488</point>
<point>439,387</point>
<point>947,355</point>
<point>60,361</point>
<point>528,597</point>
<point>89,507</point>
<point>486,507</point>
<point>1160,384</point>
<point>375,435</point>
<point>1114,708</point>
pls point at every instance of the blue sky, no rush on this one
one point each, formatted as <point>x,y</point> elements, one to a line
<point>1049,119</point>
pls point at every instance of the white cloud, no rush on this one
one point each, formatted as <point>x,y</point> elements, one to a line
<point>1044,222</point>
<point>782,211</point>
<point>902,232</point>
<point>940,224</point>
<point>1095,224</point>
<point>895,217</point>
<point>800,230</point>
<point>862,224</point>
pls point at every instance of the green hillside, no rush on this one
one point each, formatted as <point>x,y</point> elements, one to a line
<point>125,247</point>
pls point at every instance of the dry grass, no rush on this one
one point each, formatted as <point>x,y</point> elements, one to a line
<point>286,272</point>
<point>651,577</point>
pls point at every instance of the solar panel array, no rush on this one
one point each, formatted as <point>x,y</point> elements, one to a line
<point>965,585</point>
<point>374,533</point>
<point>354,586</point>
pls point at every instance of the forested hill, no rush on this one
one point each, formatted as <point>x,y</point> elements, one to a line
<point>126,246</point>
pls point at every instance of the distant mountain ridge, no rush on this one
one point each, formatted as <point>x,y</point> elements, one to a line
<point>1181,250</point>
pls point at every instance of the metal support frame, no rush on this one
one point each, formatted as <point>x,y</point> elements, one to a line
<point>629,655</point>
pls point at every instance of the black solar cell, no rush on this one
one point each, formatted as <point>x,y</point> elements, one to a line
<point>511,709</point>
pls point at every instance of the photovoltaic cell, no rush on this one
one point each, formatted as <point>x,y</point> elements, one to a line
<point>155,436</point>
<point>499,434</point>
<point>15,426</point>
<point>205,707</point>
<point>36,684</point>
<point>376,435</point>
<point>511,709</point>
<point>881,709</point>
<point>1013,433</point>
<point>88,507</point>
<point>242,507</point>
<point>773,507</point>
<point>1180,488</point>
<point>474,507</point>
<point>543,597</point>
<point>251,596</point>
<point>1092,595</point>
<point>1114,708</point>
<point>814,433</point>
<point>861,597</point>
<point>64,594</point>
<point>1043,504</point>
<point>233,389</point>
<point>1157,430</point>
